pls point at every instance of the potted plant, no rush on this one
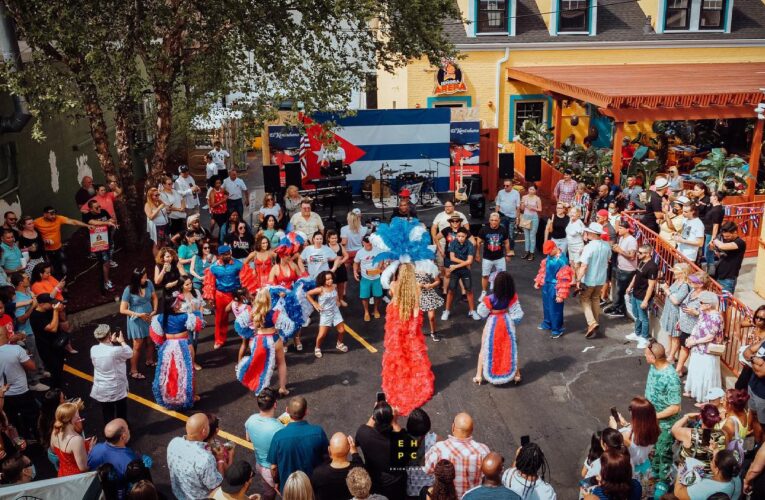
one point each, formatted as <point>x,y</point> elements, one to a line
<point>537,137</point>
<point>719,171</point>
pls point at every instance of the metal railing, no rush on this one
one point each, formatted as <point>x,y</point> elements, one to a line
<point>733,310</point>
<point>748,216</point>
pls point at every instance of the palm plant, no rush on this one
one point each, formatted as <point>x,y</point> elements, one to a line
<point>537,137</point>
<point>718,169</point>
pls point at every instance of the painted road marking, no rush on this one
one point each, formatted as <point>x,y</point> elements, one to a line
<point>361,340</point>
<point>156,407</point>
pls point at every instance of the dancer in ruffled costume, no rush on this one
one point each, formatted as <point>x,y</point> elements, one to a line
<point>554,278</point>
<point>240,305</point>
<point>274,317</point>
<point>173,385</point>
<point>262,260</point>
<point>407,378</point>
<point>498,357</point>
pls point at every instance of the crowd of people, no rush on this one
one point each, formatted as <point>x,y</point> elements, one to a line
<point>272,276</point>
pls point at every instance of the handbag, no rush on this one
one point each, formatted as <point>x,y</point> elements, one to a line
<point>61,340</point>
<point>716,347</point>
<point>525,222</point>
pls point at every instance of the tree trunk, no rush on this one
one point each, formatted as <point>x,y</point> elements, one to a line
<point>164,103</point>
<point>133,224</point>
<point>97,126</point>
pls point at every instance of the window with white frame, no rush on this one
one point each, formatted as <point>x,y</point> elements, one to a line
<point>528,110</point>
<point>678,14</point>
<point>573,16</point>
<point>712,14</point>
<point>492,16</point>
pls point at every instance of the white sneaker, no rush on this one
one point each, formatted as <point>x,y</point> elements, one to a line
<point>371,300</point>
<point>445,315</point>
<point>39,387</point>
<point>642,343</point>
<point>45,374</point>
<point>206,312</point>
<point>482,296</point>
<point>474,315</point>
<point>632,336</point>
<point>113,264</point>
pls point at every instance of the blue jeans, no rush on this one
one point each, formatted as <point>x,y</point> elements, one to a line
<point>729,285</point>
<point>623,279</point>
<point>562,244</point>
<point>553,311</point>
<point>530,235</point>
<point>709,256</point>
<point>509,224</point>
<point>641,317</point>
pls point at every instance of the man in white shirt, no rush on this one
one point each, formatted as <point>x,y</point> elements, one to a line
<point>237,191</point>
<point>176,206</point>
<point>691,236</point>
<point>20,404</point>
<point>219,156</point>
<point>306,221</point>
<point>508,204</point>
<point>187,187</point>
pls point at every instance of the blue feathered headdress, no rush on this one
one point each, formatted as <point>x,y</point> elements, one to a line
<point>403,241</point>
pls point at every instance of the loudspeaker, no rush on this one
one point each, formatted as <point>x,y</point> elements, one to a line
<point>271,181</point>
<point>506,166</point>
<point>292,175</point>
<point>533,168</point>
<point>474,184</point>
<point>477,206</point>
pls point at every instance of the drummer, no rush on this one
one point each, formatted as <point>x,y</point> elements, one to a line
<point>405,206</point>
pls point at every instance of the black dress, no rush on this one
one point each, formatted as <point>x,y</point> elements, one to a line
<point>341,274</point>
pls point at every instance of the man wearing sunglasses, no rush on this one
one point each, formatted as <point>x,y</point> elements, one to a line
<point>49,227</point>
<point>508,204</point>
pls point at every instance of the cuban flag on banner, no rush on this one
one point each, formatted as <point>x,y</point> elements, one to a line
<point>395,137</point>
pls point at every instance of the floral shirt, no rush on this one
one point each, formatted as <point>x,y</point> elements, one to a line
<point>708,324</point>
<point>663,389</point>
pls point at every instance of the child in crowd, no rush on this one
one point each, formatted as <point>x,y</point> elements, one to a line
<point>240,303</point>
<point>368,274</point>
<point>461,252</point>
<point>328,306</point>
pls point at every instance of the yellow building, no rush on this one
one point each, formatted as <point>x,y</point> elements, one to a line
<point>500,36</point>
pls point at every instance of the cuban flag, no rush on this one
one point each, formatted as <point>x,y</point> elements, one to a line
<point>394,137</point>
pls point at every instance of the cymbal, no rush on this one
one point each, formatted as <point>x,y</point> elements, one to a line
<point>405,165</point>
<point>389,172</point>
<point>428,171</point>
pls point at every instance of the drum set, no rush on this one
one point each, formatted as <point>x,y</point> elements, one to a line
<point>421,185</point>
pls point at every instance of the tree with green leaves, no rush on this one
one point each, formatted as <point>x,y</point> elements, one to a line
<point>91,58</point>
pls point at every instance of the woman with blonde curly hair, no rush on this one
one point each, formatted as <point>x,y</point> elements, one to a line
<point>407,378</point>
<point>67,442</point>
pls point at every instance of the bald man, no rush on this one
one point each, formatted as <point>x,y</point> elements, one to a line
<point>492,487</point>
<point>193,470</point>
<point>328,480</point>
<point>114,451</point>
<point>463,451</point>
<point>299,446</point>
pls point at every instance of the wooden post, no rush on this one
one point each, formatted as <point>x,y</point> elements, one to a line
<point>616,159</point>
<point>557,122</point>
<point>754,157</point>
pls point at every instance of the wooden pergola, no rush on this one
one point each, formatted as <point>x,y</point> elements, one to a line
<point>637,92</point>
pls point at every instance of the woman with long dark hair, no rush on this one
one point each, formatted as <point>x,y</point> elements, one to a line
<point>375,438</point>
<point>443,485</point>
<point>616,481</point>
<point>418,426</point>
<point>527,476</point>
<point>640,435</point>
<point>139,304</point>
<point>498,357</point>
<point>270,229</point>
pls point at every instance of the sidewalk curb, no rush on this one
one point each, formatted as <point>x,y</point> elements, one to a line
<point>81,318</point>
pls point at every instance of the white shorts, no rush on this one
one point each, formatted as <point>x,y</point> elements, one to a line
<point>331,317</point>
<point>488,266</point>
<point>574,253</point>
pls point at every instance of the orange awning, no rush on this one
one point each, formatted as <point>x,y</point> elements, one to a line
<point>656,91</point>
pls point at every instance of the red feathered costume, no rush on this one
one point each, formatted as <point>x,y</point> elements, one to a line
<point>407,378</point>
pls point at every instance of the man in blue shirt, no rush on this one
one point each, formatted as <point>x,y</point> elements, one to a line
<point>260,430</point>
<point>114,451</point>
<point>11,257</point>
<point>299,446</point>
<point>226,274</point>
<point>508,204</point>
<point>592,275</point>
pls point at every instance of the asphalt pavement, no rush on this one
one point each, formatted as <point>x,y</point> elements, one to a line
<point>568,384</point>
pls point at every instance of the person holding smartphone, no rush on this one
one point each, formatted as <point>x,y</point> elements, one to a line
<point>110,383</point>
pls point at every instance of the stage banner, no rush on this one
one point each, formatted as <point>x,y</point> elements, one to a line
<point>464,151</point>
<point>284,147</point>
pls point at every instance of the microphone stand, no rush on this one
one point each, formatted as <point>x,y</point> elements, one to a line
<point>438,164</point>
<point>382,202</point>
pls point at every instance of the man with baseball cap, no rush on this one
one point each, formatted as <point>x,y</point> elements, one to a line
<point>653,207</point>
<point>225,276</point>
<point>592,274</point>
<point>188,189</point>
<point>236,481</point>
<point>405,207</point>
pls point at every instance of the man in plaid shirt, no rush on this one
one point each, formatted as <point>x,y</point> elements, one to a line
<point>461,450</point>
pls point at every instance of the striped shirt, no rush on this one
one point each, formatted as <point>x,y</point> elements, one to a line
<point>465,454</point>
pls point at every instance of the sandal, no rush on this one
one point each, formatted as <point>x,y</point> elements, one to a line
<point>137,376</point>
<point>341,347</point>
<point>299,346</point>
<point>317,352</point>
<point>284,392</point>
<point>197,367</point>
<point>517,379</point>
<point>477,380</point>
<point>151,364</point>
<point>377,314</point>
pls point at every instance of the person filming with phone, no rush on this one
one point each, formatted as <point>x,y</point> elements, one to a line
<point>110,383</point>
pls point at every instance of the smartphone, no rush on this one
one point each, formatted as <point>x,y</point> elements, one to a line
<point>525,440</point>
<point>380,397</point>
<point>615,414</point>
<point>589,482</point>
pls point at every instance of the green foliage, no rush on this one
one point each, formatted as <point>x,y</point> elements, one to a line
<point>717,169</point>
<point>537,137</point>
<point>588,165</point>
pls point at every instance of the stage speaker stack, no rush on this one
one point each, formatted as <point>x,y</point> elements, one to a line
<point>477,205</point>
<point>533,168</point>
<point>271,181</point>
<point>506,166</point>
<point>292,175</point>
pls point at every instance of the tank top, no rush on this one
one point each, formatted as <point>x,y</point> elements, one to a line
<point>67,463</point>
<point>285,280</point>
<point>263,269</point>
<point>218,196</point>
<point>328,300</point>
<point>34,246</point>
<point>559,225</point>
